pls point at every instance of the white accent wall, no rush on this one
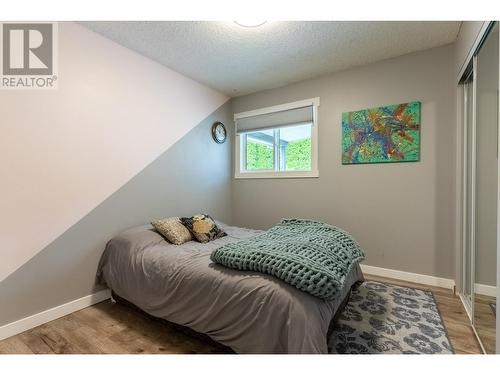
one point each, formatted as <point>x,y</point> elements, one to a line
<point>64,151</point>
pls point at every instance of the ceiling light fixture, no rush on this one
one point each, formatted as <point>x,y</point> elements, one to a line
<point>250,23</point>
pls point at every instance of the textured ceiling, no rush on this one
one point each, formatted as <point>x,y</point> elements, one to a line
<point>238,60</point>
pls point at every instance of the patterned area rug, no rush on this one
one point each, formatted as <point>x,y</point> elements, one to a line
<point>382,319</point>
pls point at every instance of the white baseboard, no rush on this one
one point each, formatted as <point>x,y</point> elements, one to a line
<point>485,290</point>
<point>409,276</point>
<point>43,317</point>
<point>33,321</point>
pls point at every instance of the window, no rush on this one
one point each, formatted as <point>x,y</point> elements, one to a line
<point>278,141</point>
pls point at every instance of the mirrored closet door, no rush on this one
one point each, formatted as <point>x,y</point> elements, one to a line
<point>480,189</point>
<point>468,240</point>
<point>486,190</point>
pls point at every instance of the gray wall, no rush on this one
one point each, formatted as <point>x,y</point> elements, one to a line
<point>191,176</point>
<point>403,213</point>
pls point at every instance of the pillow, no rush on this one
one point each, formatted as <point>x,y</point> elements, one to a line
<point>172,229</point>
<point>203,228</point>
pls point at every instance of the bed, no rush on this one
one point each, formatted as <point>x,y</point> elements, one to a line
<point>249,312</point>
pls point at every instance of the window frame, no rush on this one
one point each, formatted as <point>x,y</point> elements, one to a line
<point>240,171</point>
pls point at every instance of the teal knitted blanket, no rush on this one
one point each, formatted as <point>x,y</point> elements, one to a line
<point>312,256</point>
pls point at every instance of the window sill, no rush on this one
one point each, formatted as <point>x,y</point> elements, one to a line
<point>253,175</point>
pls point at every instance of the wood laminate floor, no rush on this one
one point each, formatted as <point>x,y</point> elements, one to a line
<point>113,328</point>
<point>485,321</point>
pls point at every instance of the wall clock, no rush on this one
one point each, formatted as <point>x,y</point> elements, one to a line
<point>219,133</point>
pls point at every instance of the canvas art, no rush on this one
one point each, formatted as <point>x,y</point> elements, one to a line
<point>381,135</point>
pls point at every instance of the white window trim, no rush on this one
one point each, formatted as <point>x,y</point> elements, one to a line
<point>313,173</point>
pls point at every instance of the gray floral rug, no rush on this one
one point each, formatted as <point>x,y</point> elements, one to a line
<point>382,319</point>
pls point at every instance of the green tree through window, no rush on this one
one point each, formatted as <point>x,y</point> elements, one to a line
<point>259,155</point>
<point>298,155</point>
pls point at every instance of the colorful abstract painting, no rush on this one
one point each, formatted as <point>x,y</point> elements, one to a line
<point>381,135</point>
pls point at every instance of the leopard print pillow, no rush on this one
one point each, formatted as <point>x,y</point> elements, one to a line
<point>203,228</point>
<point>172,229</point>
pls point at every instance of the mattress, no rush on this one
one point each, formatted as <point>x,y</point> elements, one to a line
<point>248,311</point>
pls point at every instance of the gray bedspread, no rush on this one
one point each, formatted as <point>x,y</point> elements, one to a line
<point>247,311</point>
